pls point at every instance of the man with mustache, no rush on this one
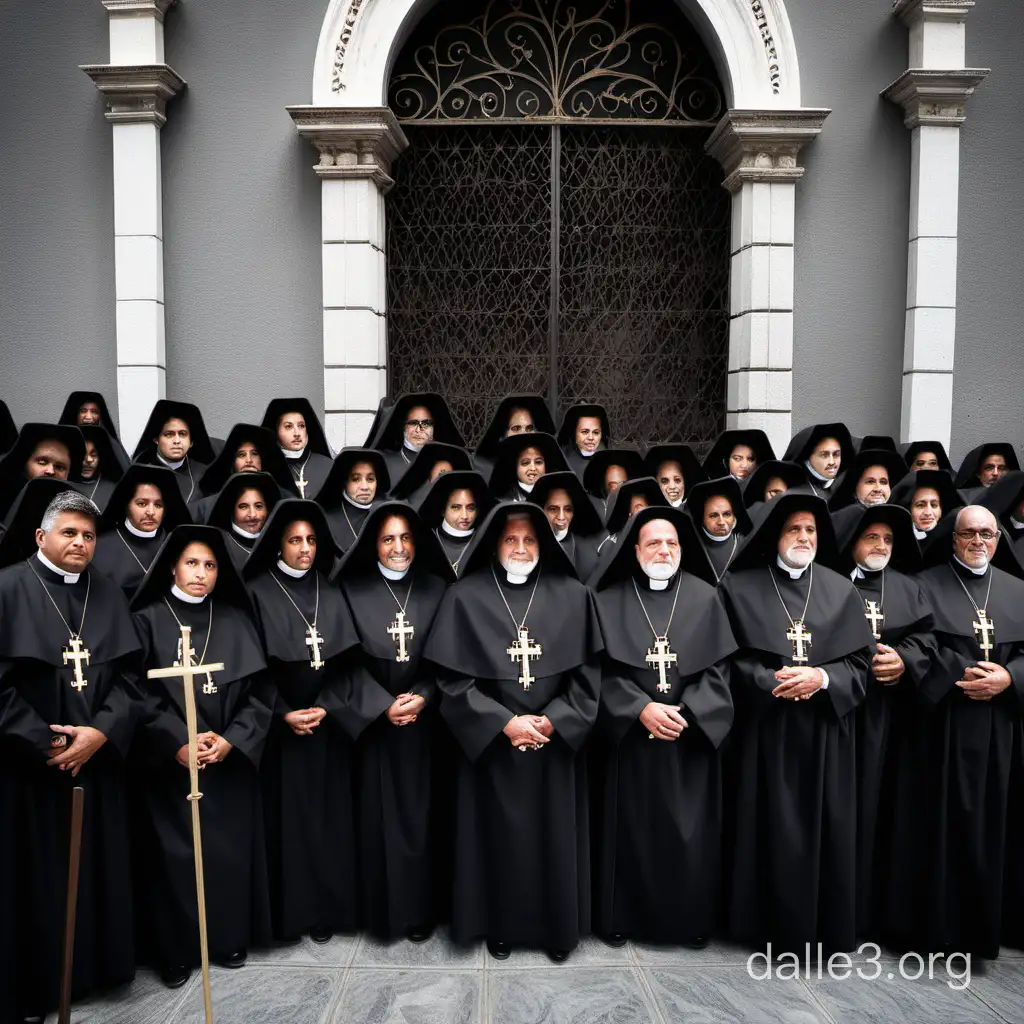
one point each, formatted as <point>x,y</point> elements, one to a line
<point>952,806</point>
<point>515,645</point>
<point>805,654</point>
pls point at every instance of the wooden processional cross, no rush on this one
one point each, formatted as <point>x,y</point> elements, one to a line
<point>801,641</point>
<point>78,654</point>
<point>400,631</point>
<point>522,650</point>
<point>875,618</point>
<point>661,657</point>
<point>985,632</point>
<point>187,671</point>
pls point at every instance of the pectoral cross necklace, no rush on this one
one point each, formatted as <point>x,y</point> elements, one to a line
<point>313,638</point>
<point>797,635</point>
<point>401,630</point>
<point>184,656</point>
<point>875,612</point>
<point>984,627</point>
<point>661,657</point>
<point>522,649</point>
<point>74,652</point>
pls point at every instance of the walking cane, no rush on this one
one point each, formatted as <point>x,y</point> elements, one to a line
<point>70,912</point>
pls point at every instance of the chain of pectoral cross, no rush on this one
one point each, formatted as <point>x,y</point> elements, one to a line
<point>661,656</point>
<point>313,638</point>
<point>522,648</point>
<point>74,652</point>
<point>797,635</point>
<point>400,630</point>
<point>984,628</point>
<point>184,655</point>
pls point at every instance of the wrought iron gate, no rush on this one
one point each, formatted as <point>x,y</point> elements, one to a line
<point>585,257</point>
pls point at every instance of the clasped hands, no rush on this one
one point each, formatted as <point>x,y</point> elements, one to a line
<point>405,709</point>
<point>529,732</point>
<point>212,748</point>
<point>303,722</point>
<point>887,666</point>
<point>984,680</point>
<point>797,683</point>
<point>84,740</point>
<point>662,721</point>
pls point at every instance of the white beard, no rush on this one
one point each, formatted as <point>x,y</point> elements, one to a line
<point>659,570</point>
<point>798,559</point>
<point>875,563</point>
<point>519,568</point>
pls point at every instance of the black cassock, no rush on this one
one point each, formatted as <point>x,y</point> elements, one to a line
<point>906,627</point>
<point>720,553</point>
<point>234,858</point>
<point>125,558</point>
<point>793,874</point>
<point>395,766</point>
<point>660,809</point>
<point>312,468</point>
<point>522,871</point>
<point>346,520</point>
<point>35,692</point>
<point>949,837</point>
<point>582,552</point>
<point>1013,881</point>
<point>307,780</point>
<point>187,475</point>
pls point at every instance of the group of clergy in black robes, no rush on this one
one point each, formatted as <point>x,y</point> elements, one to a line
<point>546,688</point>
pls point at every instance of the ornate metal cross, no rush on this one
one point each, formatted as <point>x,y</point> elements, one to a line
<point>661,658</point>
<point>399,631</point>
<point>313,641</point>
<point>522,650</point>
<point>875,617</point>
<point>985,632</point>
<point>78,654</point>
<point>801,641</point>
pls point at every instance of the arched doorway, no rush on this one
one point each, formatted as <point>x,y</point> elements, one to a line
<point>556,225</point>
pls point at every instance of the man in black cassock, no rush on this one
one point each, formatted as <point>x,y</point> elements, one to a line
<point>384,697</point>
<point>520,461</point>
<point>433,460</point>
<point>302,441</point>
<point>793,873</point>
<point>357,483</point>
<point>40,449</point>
<point>573,518</point>
<point>89,409</point>
<point>676,469</point>
<point>452,509</point>
<point>947,859</point>
<point>62,726</point>
<point>825,450</point>
<point>409,424</point>
<point>145,507</point>
<point>307,766</point>
<point>984,466</point>
<point>100,467</point>
<point>720,520</point>
<point>175,437</point>
<point>1005,500</point>
<point>516,414</point>
<point>192,582</point>
<point>583,431</point>
<point>240,511</point>
<point>738,453</point>
<point>664,677</point>
<point>516,645</point>
<point>878,551</point>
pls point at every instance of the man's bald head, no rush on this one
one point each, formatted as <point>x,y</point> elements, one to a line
<point>976,536</point>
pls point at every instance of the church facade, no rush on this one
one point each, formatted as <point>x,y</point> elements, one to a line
<point>702,213</point>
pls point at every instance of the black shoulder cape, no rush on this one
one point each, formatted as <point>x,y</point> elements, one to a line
<point>954,612</point>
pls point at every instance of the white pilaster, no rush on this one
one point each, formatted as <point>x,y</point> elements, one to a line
<point>759,151</point>
<point>933,94</point>
<point>136,86</point>
<point>356,148</point>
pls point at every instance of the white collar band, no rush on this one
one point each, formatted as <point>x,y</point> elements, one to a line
<point>171,465</point>
<point>187,598</point>
<point>717,540</point>
<point>560,535</point>
<point>245,533</point>
<point>406,443</point>
<point>355,504</point>
<point>289,453</point>
<point>794,574</point>
<point>392,574</point>
<point>970,568</point>
<point>657,584</point>
<point>67,577</point>
<point>526,488</point>
<point>452,532</point>
<point>141,534</point>
<point>296,574</point>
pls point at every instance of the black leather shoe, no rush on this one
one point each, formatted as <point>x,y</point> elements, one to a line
<point>558,956</point>
<point>499,950</point>
<point>232,960</point>
<point>616,940</point>
<point>175,976</point>
<point>420,934</point>
<point>321,935</point>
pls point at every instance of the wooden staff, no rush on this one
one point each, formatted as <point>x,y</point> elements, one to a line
<point>187,672</point>
<point>71,908</point>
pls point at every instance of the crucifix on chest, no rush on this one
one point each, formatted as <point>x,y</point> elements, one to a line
<point>661,658</point>
<point>522,650</point>
<point>313,642</point>
<point>301,482</point>
<point>400,631</point>
<point>76,653</point>
<point>875,617</point>
<point>985,632</point>
<point>801,641</point>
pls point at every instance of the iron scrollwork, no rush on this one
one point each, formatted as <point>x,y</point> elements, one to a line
<point>557,61</point>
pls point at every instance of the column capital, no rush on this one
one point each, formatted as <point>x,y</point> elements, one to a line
<point>135,94</point>
<point>912,11</point>
<point>153,8</point>
<point>353,142</point>
<point>930,97</point>
<point>763,145</point>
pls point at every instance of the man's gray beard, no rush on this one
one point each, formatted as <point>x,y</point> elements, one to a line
<point>519,568</point>
<point>659,570</point>
<point>805,558</point>
<point>876,563</point>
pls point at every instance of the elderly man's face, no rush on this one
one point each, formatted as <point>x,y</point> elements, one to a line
<point>518,548</point>
<point>798,539</point>
<point>657,549</point>
<point>976,537</point>
<point>873,547</point>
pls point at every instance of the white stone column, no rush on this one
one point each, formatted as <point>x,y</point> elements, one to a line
<point>136,86</point>
<point>759,151</point>
<point>932,93</point>
<point>356,148</point>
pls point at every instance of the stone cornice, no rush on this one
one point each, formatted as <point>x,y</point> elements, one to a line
<point>934,97</point>
<point>763,145</point>
<point>912,11</point>
<point>135,94</point>
<point>353,142</point>
<point>155,8</point>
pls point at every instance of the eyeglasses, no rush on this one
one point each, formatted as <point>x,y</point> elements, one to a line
<point>985,535</point>
<point>422,424</point>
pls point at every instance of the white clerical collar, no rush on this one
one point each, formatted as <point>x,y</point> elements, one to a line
<point>392,574</point>
<point>560,535</point>
<point>585,455</point>
<point>526,488</point>
<point>919,534</point>
<point>857,574</point>
<point>245,533</point>
<point>288,453</point>
<point>296,574</point>
<point>825,481</point>
<point>794,574</point>
<point>1016,523</point>
<point>406,443</point>
<point>517,579</point>
<point>67,577</point>
<point>187,598</point>
<point>452,532</point>
<point>356,504</point>
<point>717,540</point>
<point>969,568</point>
<point>678,504</point>
<point>169,464</point>
<point>654,584</point>
<point>135,532</point>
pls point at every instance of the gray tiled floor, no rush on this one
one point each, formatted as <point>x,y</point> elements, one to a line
<point>354,980</point>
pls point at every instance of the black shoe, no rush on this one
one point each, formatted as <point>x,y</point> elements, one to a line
<point>321,935</point>
<point>499,950</point>
<point>698,943</point>
<point>616,940</point>
<point>420,933</point>
<point>174,977</point>
<point>232,960</point>
<point>558,956</point>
